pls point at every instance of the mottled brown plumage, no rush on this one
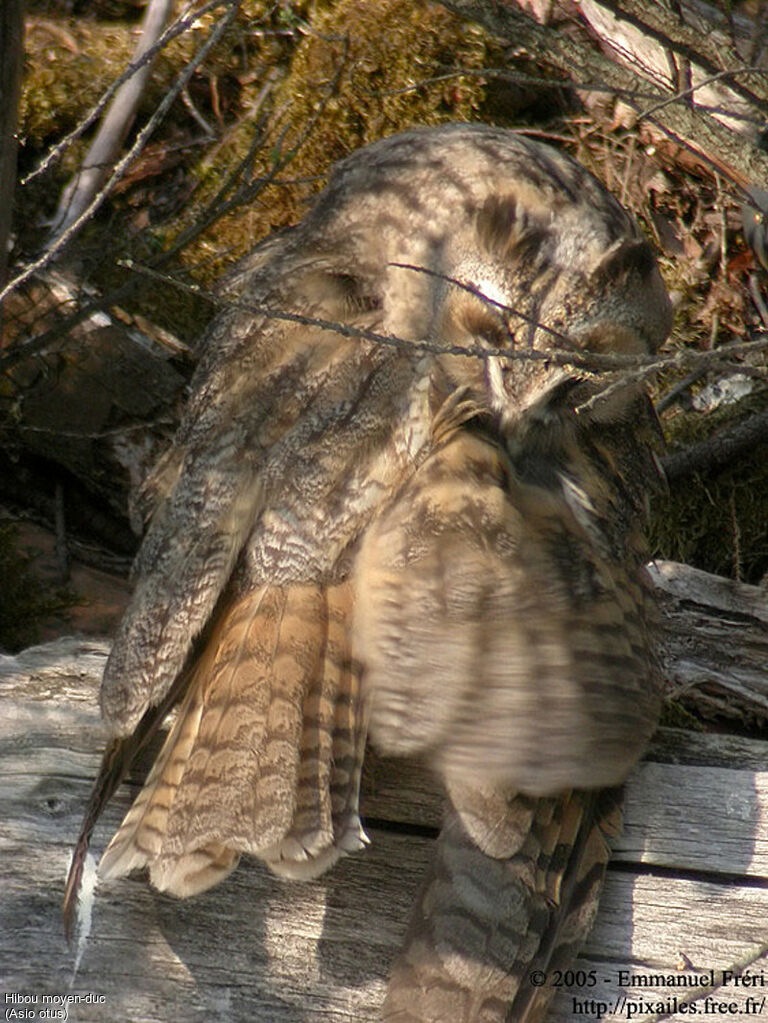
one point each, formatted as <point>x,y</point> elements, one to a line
<point>486,919</point>
<point>501,612</point>
<point>346,527</point>
<point>503,620</point>
<point>276,676</point>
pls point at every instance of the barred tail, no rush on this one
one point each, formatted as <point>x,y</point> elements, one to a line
<point>513,888</point>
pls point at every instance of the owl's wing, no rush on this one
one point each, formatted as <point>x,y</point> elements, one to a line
<point>240,612</point>
<point>280,414</point>
<point>264,756</point>
<point>502,634</point>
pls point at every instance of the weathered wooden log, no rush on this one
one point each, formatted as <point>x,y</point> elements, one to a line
<point>687,891</point>
<point>714,643</point>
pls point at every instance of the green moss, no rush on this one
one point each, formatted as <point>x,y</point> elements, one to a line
<point>367,69</point>
<point>68,64</point>
<point>25,599</point>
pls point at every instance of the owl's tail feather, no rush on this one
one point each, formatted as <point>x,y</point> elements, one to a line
<point>264,756</point>
<point>503,899</point>
<point>120,754</point>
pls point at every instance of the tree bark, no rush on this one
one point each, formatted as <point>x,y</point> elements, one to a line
<point>11,63</point>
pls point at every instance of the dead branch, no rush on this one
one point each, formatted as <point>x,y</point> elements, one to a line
<point>698,132</point>
<point>121,167</point>
<point>11,62</point>
<point>714,453</point>
<point>81,191</point>
<point>179,27</point>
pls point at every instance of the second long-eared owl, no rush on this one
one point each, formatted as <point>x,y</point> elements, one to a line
<point>424,528</point>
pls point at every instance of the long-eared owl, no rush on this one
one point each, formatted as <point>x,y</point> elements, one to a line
<point>421,526</point>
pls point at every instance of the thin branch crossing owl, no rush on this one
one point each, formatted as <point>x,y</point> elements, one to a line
<point>425,529</point>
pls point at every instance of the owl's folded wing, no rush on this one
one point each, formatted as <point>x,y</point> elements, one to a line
<point>240,613</point>
<point>274,421</point>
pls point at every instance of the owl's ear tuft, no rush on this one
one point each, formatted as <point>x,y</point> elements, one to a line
<point>479,319</point>
<point>503,230</point>
<point>626,257</point>
<point>357,294</point>
<point>497,222</point>
<point>335,294</point>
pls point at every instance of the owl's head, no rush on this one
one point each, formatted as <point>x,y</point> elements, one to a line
<point>474,236</point>
<point>535,281</point>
